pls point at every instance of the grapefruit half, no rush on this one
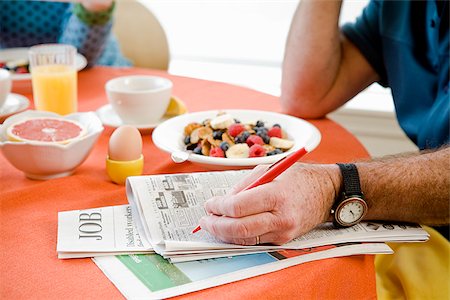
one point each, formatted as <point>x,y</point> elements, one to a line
<point>45,130</point>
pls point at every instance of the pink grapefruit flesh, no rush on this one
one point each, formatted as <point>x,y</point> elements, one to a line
<point>47,130</point>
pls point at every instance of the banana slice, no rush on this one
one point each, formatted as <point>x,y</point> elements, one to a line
<point>281,143</point>
<point>222,121</point>
<point>238,151</point>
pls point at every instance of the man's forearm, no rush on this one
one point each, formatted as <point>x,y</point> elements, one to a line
<point>313,53</point>
<point>412,189</point>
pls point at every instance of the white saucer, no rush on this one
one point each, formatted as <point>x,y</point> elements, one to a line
<point>110,118</point>
<point>15,103</point>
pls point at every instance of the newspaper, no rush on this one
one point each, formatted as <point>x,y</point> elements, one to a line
<point>98,232</point>
<point>150,276</point>
<point>167,208</point>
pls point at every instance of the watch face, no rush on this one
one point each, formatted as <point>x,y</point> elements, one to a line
<point>351,211</point>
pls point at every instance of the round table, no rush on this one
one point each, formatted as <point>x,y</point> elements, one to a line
<point>30,267</point>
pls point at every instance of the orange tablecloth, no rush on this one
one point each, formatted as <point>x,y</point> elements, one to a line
<point>30,268</point>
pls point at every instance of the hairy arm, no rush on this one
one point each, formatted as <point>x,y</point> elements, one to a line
<point>414,188</point>
<point>321,68</point>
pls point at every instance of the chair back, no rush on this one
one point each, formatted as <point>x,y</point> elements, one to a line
<point>141,37</point>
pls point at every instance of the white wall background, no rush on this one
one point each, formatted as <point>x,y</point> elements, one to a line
<point>242,42</point>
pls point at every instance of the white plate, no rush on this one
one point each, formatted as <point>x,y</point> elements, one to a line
<point>15,103</point>
<point>169,135</point>
<point>110,118</point>
<point>22,53</point>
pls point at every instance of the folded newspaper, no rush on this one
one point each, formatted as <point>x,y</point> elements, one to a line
<point>165,209</point>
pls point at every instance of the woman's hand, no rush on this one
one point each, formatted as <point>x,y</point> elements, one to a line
<point>96,5</point>
<point>277,212</point>
<point>91,5</point>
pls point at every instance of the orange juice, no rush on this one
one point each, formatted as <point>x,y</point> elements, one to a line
<point>55,88</point>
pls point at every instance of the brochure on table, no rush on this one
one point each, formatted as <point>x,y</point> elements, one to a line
<point>149,276</point>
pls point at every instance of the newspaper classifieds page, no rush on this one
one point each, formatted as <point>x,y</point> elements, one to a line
<point>168,207</point>
<point>99,231</point>
<point>150,276</point>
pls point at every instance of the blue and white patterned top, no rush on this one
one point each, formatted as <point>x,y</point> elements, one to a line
<point>27,23</point>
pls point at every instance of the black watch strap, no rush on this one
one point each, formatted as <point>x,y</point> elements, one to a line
<point>352,185</point>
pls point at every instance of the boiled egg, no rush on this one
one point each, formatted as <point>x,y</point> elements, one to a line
<point>125,144</point>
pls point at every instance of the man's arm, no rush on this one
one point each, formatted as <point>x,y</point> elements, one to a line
<point>413,188</point>
<point>321,69</point>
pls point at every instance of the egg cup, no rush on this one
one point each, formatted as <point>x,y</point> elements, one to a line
<point>118,171</point>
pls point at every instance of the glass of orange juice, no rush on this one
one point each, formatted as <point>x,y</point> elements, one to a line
<point>54,77</point>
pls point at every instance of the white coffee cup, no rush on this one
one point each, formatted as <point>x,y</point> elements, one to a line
<point>139,99</point>
<point>5,86</point>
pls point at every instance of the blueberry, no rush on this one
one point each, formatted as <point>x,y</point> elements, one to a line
<point>198,150</point>
<point>265,138</point>
<point>259,124</point>
<point>276,125</point>
<point>187,140</point>
<point>245,136</point>
<point>217,135</point>
<point>238,139</point>
<point>191,146</point>
<point>261,131</point>
<point>237,121</point>
<point>274,152</point>
<point>224,146</point>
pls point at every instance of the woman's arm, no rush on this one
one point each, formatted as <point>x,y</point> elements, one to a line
<point>88,27</point>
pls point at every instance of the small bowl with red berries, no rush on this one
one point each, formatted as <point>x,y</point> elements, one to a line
<point>234,137</point>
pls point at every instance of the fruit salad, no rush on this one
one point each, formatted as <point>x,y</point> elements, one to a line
<point>17,66</point>
<point>227,137</point>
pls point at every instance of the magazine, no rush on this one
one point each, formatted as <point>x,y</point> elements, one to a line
<point>150,276</point>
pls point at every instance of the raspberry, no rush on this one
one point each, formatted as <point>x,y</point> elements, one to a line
<point>21,70</point>
<point>254,139</point>
<point>257,151</point>
<point>235,129</point>
<point>216,152</point>
<point>275,132</point>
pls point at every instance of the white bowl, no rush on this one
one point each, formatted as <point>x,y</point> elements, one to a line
<point>40,161</point>
<point>169,136</point>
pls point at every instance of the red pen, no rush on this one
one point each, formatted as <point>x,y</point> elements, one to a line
<point>274,171</point>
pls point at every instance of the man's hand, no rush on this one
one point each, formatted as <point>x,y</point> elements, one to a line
<point>277,212</point>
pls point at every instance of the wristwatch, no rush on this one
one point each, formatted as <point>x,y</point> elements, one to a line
<point>350,207</point>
